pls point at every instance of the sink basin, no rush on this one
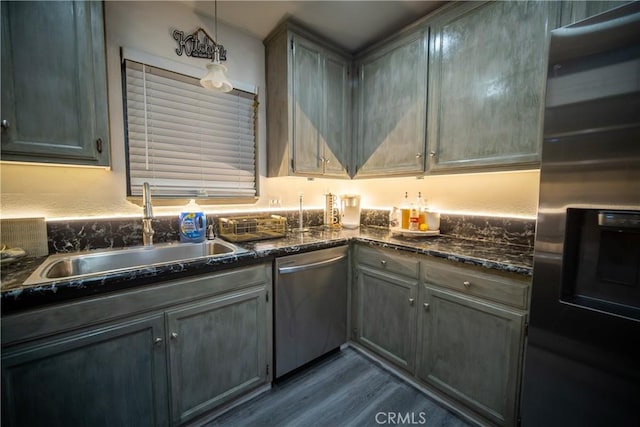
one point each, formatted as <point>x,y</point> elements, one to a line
<point>63,266</point>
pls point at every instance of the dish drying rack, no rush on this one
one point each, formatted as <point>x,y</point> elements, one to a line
<point>245,228</point>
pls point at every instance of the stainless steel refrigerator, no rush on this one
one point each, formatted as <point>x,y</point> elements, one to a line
<point>582,359</point>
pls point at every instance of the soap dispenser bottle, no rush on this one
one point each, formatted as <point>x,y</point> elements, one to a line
<point>192,224</point>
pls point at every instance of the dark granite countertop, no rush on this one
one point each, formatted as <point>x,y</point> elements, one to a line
<point>17,296</point>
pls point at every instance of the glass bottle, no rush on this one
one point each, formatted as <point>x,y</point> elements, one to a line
<point>414,218</point>
<point>422,212</point>
<point>405,210</point>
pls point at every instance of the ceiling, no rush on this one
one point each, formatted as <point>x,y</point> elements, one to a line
<point>353,25</point>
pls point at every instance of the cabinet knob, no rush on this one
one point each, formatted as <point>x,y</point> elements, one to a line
<point>411,301</point>
<point>432,153</point>
<point>419,155</point>
<point>157,341</point>
<point>5,124</point>
<point>467,284</point>
<point>426,306</point>
<point>383,262</point>
<point>174,335</point>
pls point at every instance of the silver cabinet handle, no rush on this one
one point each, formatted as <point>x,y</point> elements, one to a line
<point>419,155</point>
<point>383,262</point>
<point>157,341</point>
<point>411,301</point>
<point>426,306</point>
<point>5,124</point>
<point>174,335</point>
<point>467,284</point>
<point>432,153</point>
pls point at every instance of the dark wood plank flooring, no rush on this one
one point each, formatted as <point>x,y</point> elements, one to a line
<point>345,389</point>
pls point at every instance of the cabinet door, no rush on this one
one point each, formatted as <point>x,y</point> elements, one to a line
<point>386,315</point>
<point>472,351</point>
<point>488,71</point>
<point>54,93</point>
<point>307,93</point>
<point>218,350</point>
<point>336,130</point>
<point>392,101</point>
<point>107,377</point>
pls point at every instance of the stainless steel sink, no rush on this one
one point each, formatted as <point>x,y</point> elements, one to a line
<point>80,264</point>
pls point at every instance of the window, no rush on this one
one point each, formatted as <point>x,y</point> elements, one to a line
<point>187,141</point>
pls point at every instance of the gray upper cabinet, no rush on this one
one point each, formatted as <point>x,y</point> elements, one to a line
<point>308,106</point>
<point>392,106</point>
<point>336,140</point>
<point>487,80</point>
<point>54,90</point>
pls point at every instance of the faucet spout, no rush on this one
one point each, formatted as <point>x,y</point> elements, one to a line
<point>147,227</point>
<point>146,197</point>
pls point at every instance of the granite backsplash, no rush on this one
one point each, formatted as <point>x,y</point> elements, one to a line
<point>86,234</point>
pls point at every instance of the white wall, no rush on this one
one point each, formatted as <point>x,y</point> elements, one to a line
<point>62,192</point>
<point>512,194</point>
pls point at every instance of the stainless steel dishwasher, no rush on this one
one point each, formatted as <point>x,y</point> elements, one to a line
<point>310,312</point>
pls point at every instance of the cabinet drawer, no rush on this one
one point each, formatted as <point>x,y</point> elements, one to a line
<point>500,287</point>
<point>387,260</point>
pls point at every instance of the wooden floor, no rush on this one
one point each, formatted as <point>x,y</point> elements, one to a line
<point>345,389</point>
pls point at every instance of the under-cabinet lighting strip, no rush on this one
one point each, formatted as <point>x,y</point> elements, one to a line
<point>289,209</point>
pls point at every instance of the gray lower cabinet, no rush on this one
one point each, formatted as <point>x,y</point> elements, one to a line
<point>383,301</point>
<point>217,351</point>
<point>487,64</point>
<point>459,330</point>
<point>385,316</point>
<point>308,105</point>
<point>109,376</point>
<point>471,328</point>
<point>471,350</point>
<point>54,85</point>
<point>392,106</point>
<point>160,355</point>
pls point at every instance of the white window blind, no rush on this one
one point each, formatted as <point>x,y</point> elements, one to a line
<point>187,141</point>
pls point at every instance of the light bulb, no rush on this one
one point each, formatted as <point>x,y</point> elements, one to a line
<point>215,78</point>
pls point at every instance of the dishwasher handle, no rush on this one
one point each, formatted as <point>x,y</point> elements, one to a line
<point>303,267</point>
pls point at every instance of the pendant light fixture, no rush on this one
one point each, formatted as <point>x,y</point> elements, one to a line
<point>216,78</point>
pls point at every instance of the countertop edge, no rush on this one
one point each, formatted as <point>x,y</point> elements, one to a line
<point>23,297</point>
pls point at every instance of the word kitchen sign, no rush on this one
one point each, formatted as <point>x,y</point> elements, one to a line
<point>198,45</point>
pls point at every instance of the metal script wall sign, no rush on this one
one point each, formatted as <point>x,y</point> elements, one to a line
<point>198,44</point>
